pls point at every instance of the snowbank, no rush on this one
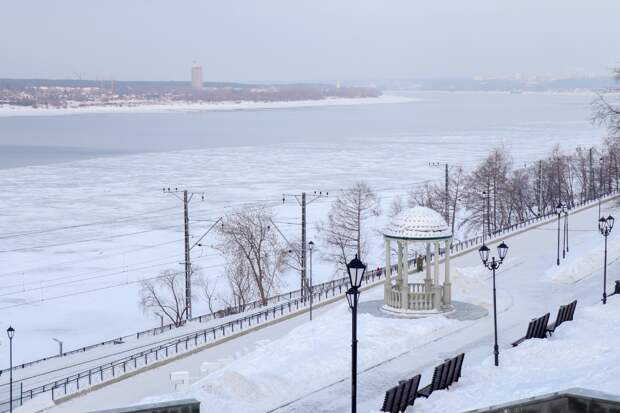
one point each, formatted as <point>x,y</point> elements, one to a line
<point>308,357</point>
<point>584,260</point>
<point>581,353</point>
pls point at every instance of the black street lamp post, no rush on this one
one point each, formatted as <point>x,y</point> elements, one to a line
<point>356,270</point>
<point>493,265</point>
<point>10,332</point>
<point>566,228</point>
<point>564,212</point>
<point>558,210</point>
<point>605,225</point>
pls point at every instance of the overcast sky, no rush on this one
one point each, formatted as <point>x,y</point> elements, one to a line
<point>306,40</point>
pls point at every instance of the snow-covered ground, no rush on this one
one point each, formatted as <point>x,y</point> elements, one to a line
<point>582,353</point>
<point>303,366</point>
<point>141,107</point>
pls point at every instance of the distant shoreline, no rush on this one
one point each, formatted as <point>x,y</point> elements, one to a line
<point>163,107</point>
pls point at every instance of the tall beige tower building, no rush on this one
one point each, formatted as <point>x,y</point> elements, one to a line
<point>197,77</point>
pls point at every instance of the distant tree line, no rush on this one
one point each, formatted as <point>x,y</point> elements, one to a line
<point>39,93</point>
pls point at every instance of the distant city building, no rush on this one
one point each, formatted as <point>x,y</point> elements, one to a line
<point>197,77</point>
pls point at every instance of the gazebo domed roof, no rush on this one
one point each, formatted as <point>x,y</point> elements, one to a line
<point>418,223</point>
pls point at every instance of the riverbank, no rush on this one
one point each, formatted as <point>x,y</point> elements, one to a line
<point>130,107</point>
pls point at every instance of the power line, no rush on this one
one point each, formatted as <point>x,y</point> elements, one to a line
<point>99,257</point>
<point>89,224</point>
<point>125,270</point>
<point>127,283</point>
<point>108,237</point>
<point>302,201</point>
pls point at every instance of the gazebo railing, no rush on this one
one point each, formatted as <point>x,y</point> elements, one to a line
<point>417,288</point>
<point>421,301</point>
<point>394,299</point>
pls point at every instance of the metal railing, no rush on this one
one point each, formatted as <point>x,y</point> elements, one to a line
<point>92,376</point>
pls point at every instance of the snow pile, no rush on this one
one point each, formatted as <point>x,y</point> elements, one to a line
<point>38,404</point>
<point>308,357</point>
<point>581,353</point>
<point>583,261</point>
<point>469,282</point>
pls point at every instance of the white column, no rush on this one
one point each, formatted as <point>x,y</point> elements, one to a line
<point>436,272</point>
<point>436,287</point>
<point>404,289</point>
<point>447,286</point>
<point>427,279</point>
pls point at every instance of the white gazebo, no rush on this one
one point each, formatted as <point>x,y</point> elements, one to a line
<point>418,225</point>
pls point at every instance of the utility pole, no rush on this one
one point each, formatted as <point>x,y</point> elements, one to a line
<point>303,242</point>
<point>186,199</point>
<point>303,202</point>
<point>188,264</point>
<point>446,200</point>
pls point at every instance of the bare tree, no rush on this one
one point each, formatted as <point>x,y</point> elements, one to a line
<point>239,282</point>
<point>430,195</point>
<point>455,190</point>
<point>343,230</point>
<point>606,112</point>
<point>209,289</point>
<point>252,249</point>
<point>396,206</point>
<point>165,294</point>
<point>485,194</point>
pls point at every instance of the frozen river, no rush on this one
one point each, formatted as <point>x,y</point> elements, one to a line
<point>64,279</point>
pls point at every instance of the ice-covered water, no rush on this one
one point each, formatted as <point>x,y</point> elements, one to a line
<point>78,284</point>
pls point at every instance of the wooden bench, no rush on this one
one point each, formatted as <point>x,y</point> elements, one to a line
<point>434,385</point>
<point>457,370</point>
<point>398,398</point>
<point>565,313</point>
<point>537,328</point>
<point>444,375</point>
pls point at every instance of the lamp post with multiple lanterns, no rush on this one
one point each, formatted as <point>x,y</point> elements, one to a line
<point>559,209</point>
<point>605,225</point>
<point>493,265</point>
<point>356,270</point>
<point>10,332</point>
